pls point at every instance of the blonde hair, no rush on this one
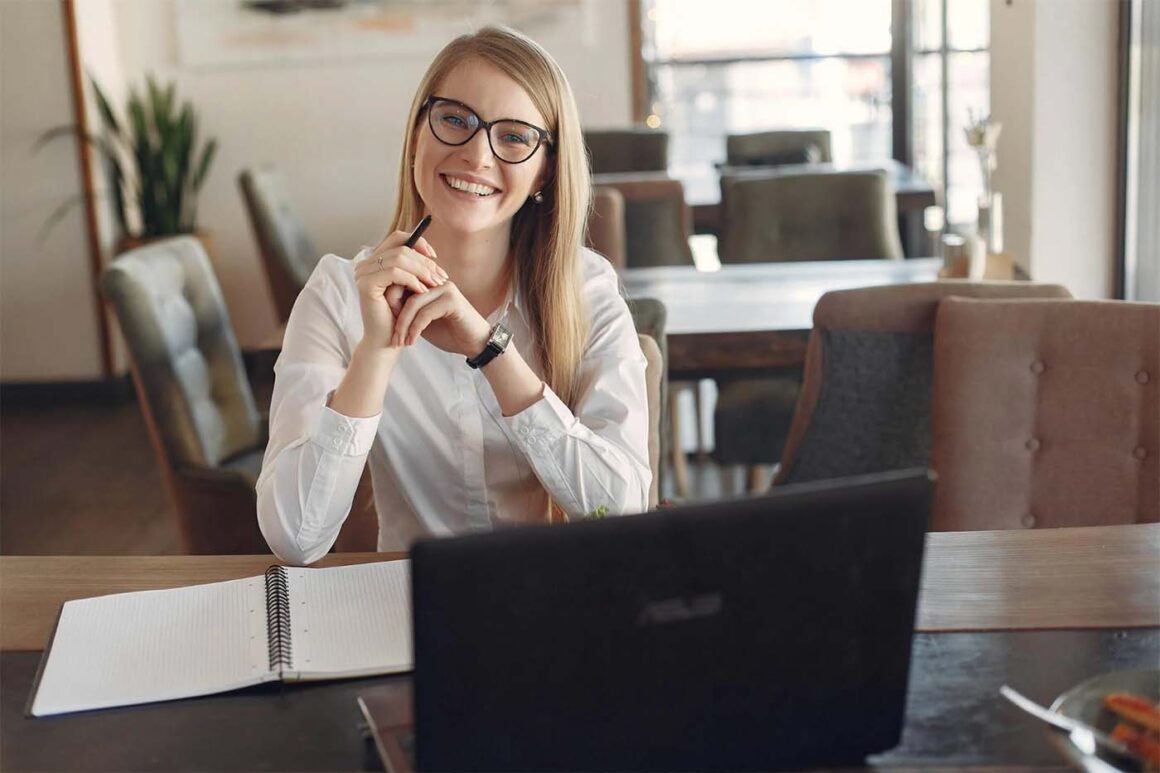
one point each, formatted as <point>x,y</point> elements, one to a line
<point>546,238</point>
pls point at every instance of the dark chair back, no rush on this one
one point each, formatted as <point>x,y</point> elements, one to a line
<point>865,402</point>
<point>779,147</point>
<point>650,316</point>
<point>657,221</point>
<point>288,254</point>
<point>772,217</point>
<point>627,150</point>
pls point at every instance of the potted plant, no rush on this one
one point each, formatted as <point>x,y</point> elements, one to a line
<point>153,164</point>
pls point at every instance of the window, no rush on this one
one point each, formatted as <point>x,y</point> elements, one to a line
<point>819,63</point>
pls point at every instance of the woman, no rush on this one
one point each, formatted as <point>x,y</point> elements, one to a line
<point>554,423</point>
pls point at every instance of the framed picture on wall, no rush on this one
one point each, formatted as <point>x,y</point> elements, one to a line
<point>222,33</point>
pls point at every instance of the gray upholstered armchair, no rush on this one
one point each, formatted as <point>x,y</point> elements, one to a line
<point>288,254</point>
<point>192,388</point>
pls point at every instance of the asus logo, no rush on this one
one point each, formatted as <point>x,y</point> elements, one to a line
<point>679,610</point>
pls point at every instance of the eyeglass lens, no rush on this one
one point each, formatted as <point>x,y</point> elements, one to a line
<point>511,141</point>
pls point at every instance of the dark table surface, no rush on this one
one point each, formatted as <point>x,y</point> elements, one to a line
<point>955,716</point>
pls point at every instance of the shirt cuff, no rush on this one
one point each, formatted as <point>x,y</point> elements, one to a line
<point>542,423</point>
<point>345,435</point>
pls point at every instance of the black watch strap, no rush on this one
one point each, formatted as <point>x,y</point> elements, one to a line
<point>496,343</point>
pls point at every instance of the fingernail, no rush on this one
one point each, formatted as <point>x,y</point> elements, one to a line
<point>445,274</point>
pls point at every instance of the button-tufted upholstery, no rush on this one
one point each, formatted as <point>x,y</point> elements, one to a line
<point>193,390</point>
<point>1046,413</point>
<point>865,400</point>
<point>782,146</point>
<point>288,254</point>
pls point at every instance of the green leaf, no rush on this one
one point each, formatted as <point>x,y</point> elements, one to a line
<point>203,166</point>
<point>107,114</point>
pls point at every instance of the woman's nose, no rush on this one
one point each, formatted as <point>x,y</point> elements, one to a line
<point>477,151</point>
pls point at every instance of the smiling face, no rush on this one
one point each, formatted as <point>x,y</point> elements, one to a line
<point>465,187</point>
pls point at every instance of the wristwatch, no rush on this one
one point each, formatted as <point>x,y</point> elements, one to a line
<point>496,343</point>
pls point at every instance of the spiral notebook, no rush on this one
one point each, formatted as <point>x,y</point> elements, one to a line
<point>290,625</point>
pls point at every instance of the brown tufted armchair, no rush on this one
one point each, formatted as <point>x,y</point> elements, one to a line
<point>1045,413</point>
<point>288,254</point>
<point>777,147</point>
<point>865,398</point>
<point>193,392</point>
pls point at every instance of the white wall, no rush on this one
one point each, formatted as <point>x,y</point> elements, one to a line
<point>48,315</point>
<point>335,130</point>
<point>1054,88</point>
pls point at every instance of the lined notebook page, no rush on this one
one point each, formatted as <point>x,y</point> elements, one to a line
<point>350,620</point>
<point>156,645</point>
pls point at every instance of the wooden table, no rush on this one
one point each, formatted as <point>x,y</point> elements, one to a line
<point>1041,609</point>
<point>1098,577</point>
<point>755,316</point>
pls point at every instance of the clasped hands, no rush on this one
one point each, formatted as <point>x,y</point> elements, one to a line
<point>404,294</point>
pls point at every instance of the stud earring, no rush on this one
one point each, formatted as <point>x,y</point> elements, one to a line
<point>538,197</point>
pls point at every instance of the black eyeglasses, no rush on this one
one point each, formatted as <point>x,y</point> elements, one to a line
<point>511,141</point>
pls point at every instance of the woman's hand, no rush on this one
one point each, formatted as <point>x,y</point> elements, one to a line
<point>445,318</point>
<point>385,276</point>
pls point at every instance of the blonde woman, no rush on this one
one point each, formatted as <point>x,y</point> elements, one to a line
<point>491,373</point>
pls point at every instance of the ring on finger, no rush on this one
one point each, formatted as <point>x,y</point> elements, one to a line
<point>380,262</point>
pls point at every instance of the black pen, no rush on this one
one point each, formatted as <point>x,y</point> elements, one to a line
<point>413,239</point>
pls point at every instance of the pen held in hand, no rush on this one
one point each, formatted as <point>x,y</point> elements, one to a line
<point>413,239</point>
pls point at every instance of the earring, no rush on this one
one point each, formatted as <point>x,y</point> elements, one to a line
<point>538,197</point>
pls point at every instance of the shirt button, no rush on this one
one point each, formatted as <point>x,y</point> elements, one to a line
<point>1140,453</point>
<point>1037,367</point>
<point>1028,521</point>
<point>1033,444</point>
<point>1142,377</point>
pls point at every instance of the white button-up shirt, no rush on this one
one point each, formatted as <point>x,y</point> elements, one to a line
<point>443,457</point>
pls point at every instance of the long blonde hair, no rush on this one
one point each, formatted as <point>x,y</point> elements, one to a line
<point>545,238</point>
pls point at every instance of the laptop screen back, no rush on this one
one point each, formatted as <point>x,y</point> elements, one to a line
<point>766,632</point>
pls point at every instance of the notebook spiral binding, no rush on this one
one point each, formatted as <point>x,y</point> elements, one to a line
<point>278,618</point>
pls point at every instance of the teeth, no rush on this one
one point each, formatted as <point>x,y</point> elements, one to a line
<point>464,185</point>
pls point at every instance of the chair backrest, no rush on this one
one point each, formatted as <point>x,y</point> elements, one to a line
<point>774,216</point>
<point>650,316</point>
<point>864,404</point>
<point>627,150</point>
<point>288,254</point>
<point>657,220</point>
<point>1046,413</point>
<point>782,146</point>
<point>183,350</point>
<point>606,225</point>
<point>654,370</point>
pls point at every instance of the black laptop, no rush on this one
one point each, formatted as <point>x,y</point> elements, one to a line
<point>768,632</point>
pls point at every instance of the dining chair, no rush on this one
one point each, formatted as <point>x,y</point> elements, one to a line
<point>1045,413</point>
<point>634,149</point>
<point>773,216</point>
<point>191,385</point>
<point>791,217</point>
<point>657,220</point>
<point>778,147</point>
<point>605,232</point>
<point>654,374</point>
<point>650,316</point>
<point>288,253</point>
<point>865,399</point>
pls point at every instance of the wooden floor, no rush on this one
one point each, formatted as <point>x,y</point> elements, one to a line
<point>79,478</point>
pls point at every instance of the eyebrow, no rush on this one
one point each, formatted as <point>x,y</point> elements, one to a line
<point>472,109</point>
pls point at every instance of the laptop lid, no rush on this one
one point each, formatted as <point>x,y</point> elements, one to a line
<point>756,633</point>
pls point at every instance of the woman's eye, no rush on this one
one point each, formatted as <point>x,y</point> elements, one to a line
<point>517,139</point>
<point>456,121</point>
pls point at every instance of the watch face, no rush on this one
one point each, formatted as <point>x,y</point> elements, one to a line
<point>501,336</point>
